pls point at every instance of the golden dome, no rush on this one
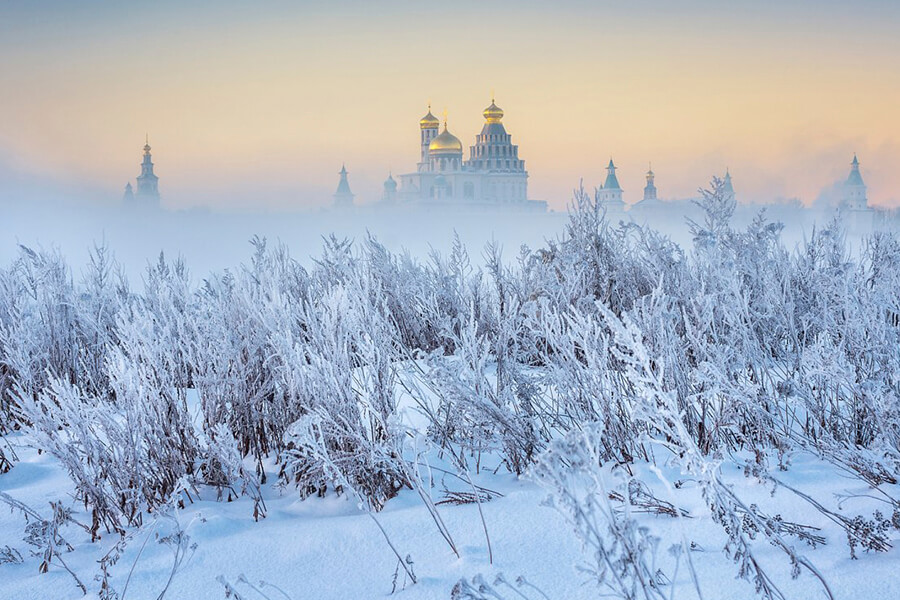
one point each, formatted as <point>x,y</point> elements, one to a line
<point>445,143</point>
<point>429,121</point>
<point>493,113</point>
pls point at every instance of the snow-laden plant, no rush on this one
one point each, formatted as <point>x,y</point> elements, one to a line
<point>125,453</point>
<point>38,326</point>
<point>233,360</point>
<point>478,413</point>
<point>342,375</point>
<point>223,468</point>
<point>621,553</point>
<point>655,405</point>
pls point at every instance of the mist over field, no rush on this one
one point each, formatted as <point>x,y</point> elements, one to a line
<point>213,240</point>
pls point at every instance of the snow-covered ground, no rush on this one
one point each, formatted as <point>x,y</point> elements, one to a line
<point>328,548</point>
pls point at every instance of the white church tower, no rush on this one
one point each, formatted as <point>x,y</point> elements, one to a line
<point>147,182</point>
<point>650,188</point>
<point>343,196</point>
<point>854,192</point>
<point>610,193</point>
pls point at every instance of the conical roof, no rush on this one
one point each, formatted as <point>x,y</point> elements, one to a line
<point>855,178</point>
<point>343,188</point>
<point>612,182</point>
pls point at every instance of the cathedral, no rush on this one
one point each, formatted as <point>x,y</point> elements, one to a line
<point>147,193</point>
<point>493,174</point>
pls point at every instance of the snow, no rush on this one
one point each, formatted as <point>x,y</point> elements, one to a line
<point>327,548</point>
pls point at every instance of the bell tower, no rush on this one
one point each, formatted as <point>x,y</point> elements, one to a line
<point>650,188</point>
<point>147,181</point>
<point>428,128</point>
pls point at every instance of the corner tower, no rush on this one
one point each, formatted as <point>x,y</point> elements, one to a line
<point>854,195</point>
<point>342,195</point>
<point>610,193</point>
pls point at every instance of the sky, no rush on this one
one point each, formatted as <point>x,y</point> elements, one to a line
<point>255,106</point>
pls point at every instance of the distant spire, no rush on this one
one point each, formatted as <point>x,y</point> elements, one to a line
<point>728,186</point>
<point>650,188</point>
<point>854,195</point>
<point>855,178</point>
<point>343,196</point>
<point>612,182</point>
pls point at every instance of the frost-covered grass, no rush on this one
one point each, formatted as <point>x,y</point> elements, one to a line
<point>718,421</point>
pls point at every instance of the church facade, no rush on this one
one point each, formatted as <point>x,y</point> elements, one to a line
<point>492,175</point>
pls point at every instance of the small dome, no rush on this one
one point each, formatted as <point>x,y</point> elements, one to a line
<point>445,143</point>
<point>390,184</point>
<point>429,121</point>
<point>493,113</point>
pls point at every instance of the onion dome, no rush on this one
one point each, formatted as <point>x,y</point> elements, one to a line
<point>493,113</point>
<point>429,121</point>
<point>147,144</point>
<point>445,143</point>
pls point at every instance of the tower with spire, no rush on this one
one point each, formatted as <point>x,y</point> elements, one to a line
<point>128,196</point>
<point>650,188</point>
<point>854,192</point>
<point>728,186</point>
<point>343,196</point>
<point>147,182</point>
<point>610,193</point>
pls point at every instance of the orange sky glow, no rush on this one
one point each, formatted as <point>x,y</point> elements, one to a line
<point>258,110</point>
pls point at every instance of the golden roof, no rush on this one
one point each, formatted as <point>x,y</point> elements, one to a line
<point>493,113</point>
<point>429,121</point>
<point>445,143</point>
